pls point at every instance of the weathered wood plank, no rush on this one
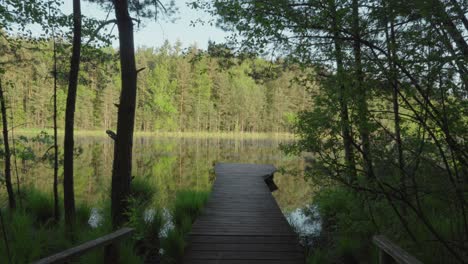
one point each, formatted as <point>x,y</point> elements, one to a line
<point>278,247</point>
<point>389,250</point>
<point>225,239</point>
<point>79,250</point>
<point>242,261</point>
<point>245,255</point>
<point>242,223</point>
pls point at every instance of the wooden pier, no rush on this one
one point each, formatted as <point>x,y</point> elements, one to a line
<point>242,222</point>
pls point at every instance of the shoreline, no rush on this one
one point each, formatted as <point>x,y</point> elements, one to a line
<point>226,135</point>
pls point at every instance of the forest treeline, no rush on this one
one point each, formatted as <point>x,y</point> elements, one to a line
<point>178,89</point>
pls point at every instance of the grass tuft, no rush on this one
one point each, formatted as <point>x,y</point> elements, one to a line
<point>187,206</point>
<point>173,247</point>
<point>141,190</point>
<point>38,205</point>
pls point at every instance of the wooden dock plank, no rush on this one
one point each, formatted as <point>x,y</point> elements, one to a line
<point>242,223</point>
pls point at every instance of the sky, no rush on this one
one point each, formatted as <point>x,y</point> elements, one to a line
<point>153,33</point>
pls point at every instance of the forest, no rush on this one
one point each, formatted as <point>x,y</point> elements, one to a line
<point>373,96</point>
<point>179,89</point>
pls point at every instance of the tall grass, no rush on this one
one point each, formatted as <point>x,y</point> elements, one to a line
<point>38,205</point>
<point>32,234</point>
<point>28,240</point>
<point>187,206</point>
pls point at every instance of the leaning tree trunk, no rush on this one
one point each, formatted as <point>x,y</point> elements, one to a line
<point>7,154</point>
<point>68,192</point>
<point>122,166</point>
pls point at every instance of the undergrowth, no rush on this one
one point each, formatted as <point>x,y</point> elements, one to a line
<point>32,234</point>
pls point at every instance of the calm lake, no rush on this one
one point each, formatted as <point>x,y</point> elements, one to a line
<point>170,164</point>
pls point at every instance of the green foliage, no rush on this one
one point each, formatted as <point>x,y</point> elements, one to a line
<point>318,256</point>
<point>38,205</point>
<point>147,223</point>
<point>82,214</point>
<point>141,190</point>
<point>386,123</point>
<point>29,240</point>
<point>346,228</point>
<point>23,247</point>
<point>31,235</point>
<point>349,221</point>
<point>178,90</point>
<point>187,206</point>
<point>173,247</point>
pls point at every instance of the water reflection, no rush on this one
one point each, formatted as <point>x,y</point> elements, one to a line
<point>168,224</point>
<point>171,164</point>
<point>306,222</point>
<point>95,218</point>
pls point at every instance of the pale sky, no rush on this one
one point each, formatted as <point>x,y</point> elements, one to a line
<point>153,34</point>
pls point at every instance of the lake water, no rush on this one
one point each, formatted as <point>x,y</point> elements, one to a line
<point>171,164</point>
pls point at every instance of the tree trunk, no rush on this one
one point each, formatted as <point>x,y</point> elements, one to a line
<point>15,160</point>
<point>7,154</point>
<point>361,93</point>
<point>396,106</point>
<point>344,116</point>
<point>393,80</point>
<point>55,187</point>
<point>68,192</point>
<point>122,166</point>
